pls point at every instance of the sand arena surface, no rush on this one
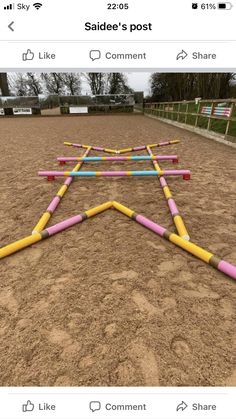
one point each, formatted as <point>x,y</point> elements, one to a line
<point>108,302</point>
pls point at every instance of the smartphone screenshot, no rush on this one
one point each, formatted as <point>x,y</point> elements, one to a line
<point>117,209</point>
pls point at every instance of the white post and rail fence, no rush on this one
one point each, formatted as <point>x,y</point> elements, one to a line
<point>212,118</point>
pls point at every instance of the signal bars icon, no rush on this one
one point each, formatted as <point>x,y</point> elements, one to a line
<point>9,7</point>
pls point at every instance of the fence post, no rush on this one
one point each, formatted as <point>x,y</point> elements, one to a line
<point>173,111</point>
<point>186,114</point>
<point>209,120</point>
<point>198,112</point>
<point>178,112</point>
<point>228,122</point>
<point>155,112</point>
<point>160,113</point>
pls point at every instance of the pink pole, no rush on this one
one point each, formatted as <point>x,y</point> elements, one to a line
<point>164,143</point>
<point>90,147</point>
<point>116,173</point>
<point>171,203</point>
<point>151,225</point>
<point>117,158</point>
<point>227,268</point>
<point>57,199</point>
<point>77,145</point>
<point>97,148</point>
<point>142,147</point>
<point>163,182</point>
<point>64,224</point>
<point>53,204</point>
<point>68,181</point>
<point>173,208</point>
<point>176,172</point>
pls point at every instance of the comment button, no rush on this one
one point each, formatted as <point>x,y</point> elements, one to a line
<point>95,54</point>
<point>95,406</point>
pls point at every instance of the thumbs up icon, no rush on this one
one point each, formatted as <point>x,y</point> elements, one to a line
<point>28,407</point>
<point>28,56</point>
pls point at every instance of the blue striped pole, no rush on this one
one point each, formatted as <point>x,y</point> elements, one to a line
<point>116,158</point>
<point>53,174</point>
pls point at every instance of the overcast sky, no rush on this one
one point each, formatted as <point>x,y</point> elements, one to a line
<point>137,81</point>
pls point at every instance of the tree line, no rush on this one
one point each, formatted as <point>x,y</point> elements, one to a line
<point>34,84</point>
<point>166,87</point>
<point>163,86</point>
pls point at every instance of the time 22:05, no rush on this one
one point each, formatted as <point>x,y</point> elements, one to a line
<point>119,6</point>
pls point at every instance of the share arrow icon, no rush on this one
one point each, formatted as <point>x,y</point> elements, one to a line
<point>182,406</point>
<point>10,26</point>
<point>182,55</point>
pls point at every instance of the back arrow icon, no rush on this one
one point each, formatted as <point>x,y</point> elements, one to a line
<point>10,26</point>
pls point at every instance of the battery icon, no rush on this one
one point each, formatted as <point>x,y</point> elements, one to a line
<point>225,6</point>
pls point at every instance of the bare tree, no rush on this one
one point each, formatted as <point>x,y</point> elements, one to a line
<point>19,84</point>
<point>34,84</point>
<point>72,83</point>
<point>96,82</point>
<point>54,82</point>
<point>25,84</point>
<point>118,84</point>
<point>187,86</point>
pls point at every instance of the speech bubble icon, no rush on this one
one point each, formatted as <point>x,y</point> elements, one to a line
<point>95,54</point>
<point>95,406</point>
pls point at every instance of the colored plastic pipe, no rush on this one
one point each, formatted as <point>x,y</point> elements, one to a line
<point>105,150</point>
<point>177,218</point>
<point>56,200</point>
<point>188,246</point>
<point>161,144</point>
<point>197,251</point>
<point>174,158</point>
<point>50,231</point>
<point>118,173</point>
<point>125,150</point>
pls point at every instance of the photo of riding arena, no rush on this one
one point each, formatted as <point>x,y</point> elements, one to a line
<point>118,229</point>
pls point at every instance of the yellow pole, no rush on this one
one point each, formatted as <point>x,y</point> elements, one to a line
<point>125,150</point>
<point>177,219</point>
<point>34,238</point>
<point>188,246</point>
<point>191,248</point>
<point>97,210</point>
<point>86,146</point>
<point>20,244</point>
<point>159,145</point>
<point>125,210</point>
<point>43,221</point>
<point>109,150</point>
